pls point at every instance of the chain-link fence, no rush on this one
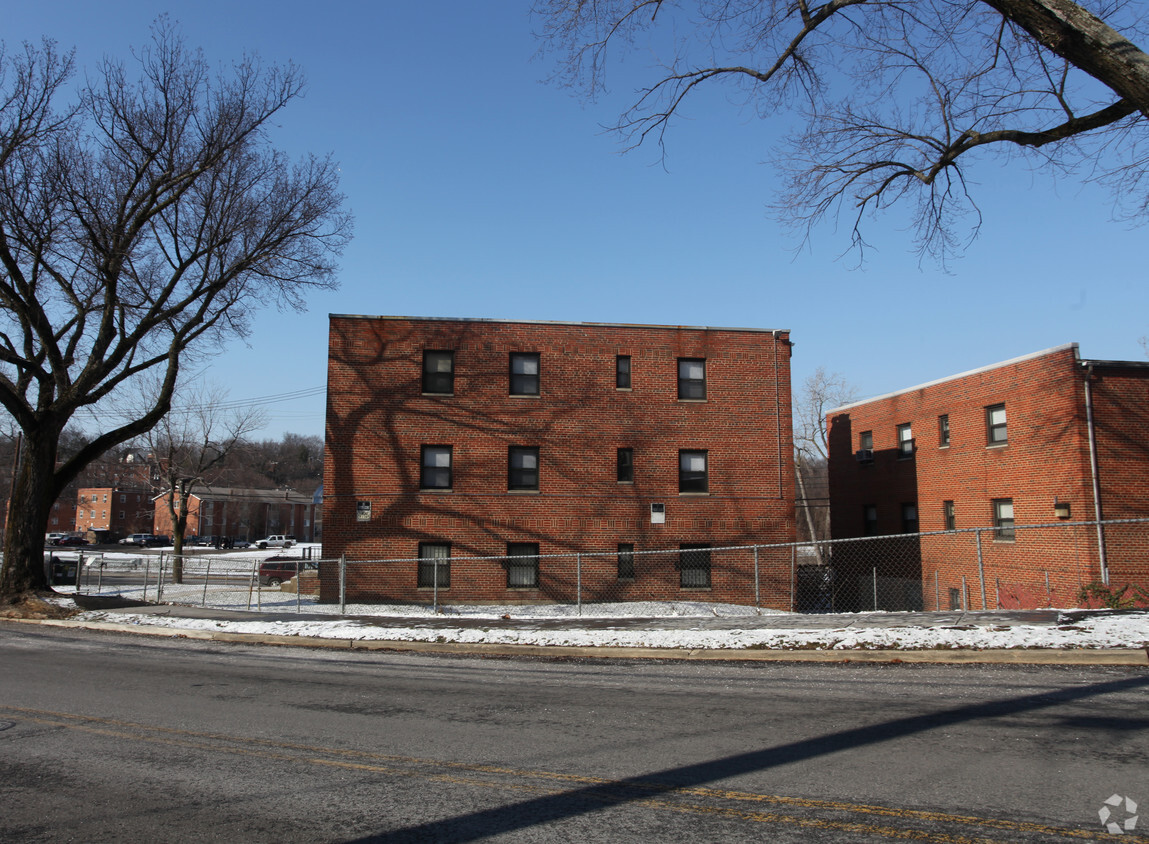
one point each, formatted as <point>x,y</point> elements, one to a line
<point>1003,567</point>
<point>242,582</point>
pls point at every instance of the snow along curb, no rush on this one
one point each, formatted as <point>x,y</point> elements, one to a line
<point>1009,656</point>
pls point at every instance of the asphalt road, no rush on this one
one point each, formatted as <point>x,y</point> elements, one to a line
<point>109,737</point>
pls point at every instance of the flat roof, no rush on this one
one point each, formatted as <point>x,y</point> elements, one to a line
<point>988,368</point>
<point>563,322</point>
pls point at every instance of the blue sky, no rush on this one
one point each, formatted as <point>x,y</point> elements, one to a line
<point>481,191</point>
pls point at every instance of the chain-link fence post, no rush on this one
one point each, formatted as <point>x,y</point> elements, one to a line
<point>980,569</point>
<point>147,571</point>
<point>342,584</point>
<point>206,578</point>
<point>578,582</point>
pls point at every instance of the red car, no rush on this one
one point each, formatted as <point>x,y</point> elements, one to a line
<point>72,540</point>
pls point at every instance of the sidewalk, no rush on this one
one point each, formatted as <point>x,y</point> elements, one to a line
<point>1005,636</point>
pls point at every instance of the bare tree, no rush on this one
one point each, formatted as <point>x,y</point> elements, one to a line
<point>142,221</point>
<point>820,392</point>
<point>896,96</point>
<point>191,444</point>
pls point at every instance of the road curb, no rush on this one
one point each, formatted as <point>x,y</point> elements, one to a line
<point>1014,656</point>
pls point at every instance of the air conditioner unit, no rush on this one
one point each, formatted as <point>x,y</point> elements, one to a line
<point>865,455</point>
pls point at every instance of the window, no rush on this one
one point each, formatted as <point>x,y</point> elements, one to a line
<point>694,566</point>
<point>436,467</point>
<point>622,372</point>
<point>123,499</point>
<point>122,515</point>
<point>692,473</point>
<point>905,442</point>
<point>692,379</point>
<point>996,433</point>
<point>1003,519</point>
<point>909,518</point>
<point>524,374</point>
<point>522,468</point>
<point>439,372</point>
<point>434,565</point>
<point>943,430</point>
<point>626,561</point>
<point>866,441</point>
<point>626,465</point>
<point>869,520</point>
<point>950,515</point>
<point>522,565</point>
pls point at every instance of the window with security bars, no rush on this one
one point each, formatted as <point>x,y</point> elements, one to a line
<point>522,565</point>
<point>626,561</point>
<point>523,468</point>
<point>434,565</point>
<point>694,565</point>
<point>524,374</point>
<point>692,378</point>
<point>693,475</point>
<point>439,372</point>
<point>436,467</point>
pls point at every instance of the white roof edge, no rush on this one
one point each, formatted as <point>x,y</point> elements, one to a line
<point>987,368</point>
<point>563,322</point>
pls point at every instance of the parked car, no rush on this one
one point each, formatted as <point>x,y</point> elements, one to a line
<point>275,572</point>
<point>239,543</point>
<point>159,541</point>
<point>275,541</point>
<point>72,540</point>
<point>53,538</point>
<point>140,540</point>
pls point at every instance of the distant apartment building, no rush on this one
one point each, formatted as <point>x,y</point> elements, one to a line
<point>453,439</point>
<point>1047,438</point>
<point>120,510</point>
<point>242,513</point>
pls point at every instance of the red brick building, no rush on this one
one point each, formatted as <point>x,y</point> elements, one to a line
<point>239,513</point>
<point>1043,439</point>
<point>120,510</point>
<point>450,439</point>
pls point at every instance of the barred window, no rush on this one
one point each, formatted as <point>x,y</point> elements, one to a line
<point>434,565</point>
<point>694,565</point>
<point>626,561</point>
<point>522,565</point>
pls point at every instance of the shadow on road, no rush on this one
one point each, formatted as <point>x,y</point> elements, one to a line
<point>580,801</point>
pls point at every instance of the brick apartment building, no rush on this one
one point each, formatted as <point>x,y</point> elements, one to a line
<point>449,439</point>
<point>1048,438</point>
<point>117,510</point>
<point>240,513</point>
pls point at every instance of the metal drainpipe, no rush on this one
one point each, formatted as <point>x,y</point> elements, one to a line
<point>778,413</point>
<point>1102,556</point>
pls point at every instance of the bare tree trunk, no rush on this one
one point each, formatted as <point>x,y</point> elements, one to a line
<point>34,485</point>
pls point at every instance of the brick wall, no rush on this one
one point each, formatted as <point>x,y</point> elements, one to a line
<point>378,418</point>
